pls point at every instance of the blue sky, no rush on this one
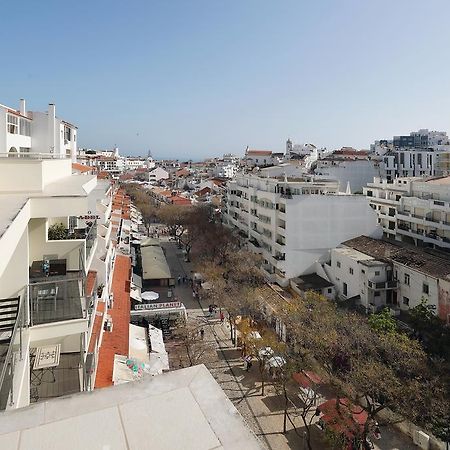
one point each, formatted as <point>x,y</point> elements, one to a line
<point>194,78</point>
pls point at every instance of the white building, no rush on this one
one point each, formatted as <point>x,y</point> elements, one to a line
<point>413,210</point>
<point>377,274</point>
<point>23,131</point>
<point>350,171</point>
<point>158,174</point>
<point>293,222</point>
<point>47,305</point>
<point>261,158</point>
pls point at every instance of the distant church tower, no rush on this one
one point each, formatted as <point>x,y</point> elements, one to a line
<point>116,152</point>
<point>149,155</point>
<point>288,149</point>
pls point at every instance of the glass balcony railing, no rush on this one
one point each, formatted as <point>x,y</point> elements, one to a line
<point>57,299</point>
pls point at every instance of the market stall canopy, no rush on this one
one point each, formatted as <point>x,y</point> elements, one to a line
<point>207,286</point>
<point>307,379</point>
<point>276,361</point>
<point>149,295</point>
<point>265,352</point>
<point>149,242</point>
<point>156,340</point>
<point>137,344</point>
<point>254,335</point>
<point>343,418</point>
<point>154,263</point>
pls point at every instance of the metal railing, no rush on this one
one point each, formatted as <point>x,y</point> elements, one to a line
<point>15,351</point>
<point>33,155</point>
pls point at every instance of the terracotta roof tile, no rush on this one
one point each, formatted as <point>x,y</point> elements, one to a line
<point>81,167</point>
<point>116,341</point>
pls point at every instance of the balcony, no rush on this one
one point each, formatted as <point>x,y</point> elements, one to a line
<point>57,298</point>
<point>382,285</point>
<point>280,257</point>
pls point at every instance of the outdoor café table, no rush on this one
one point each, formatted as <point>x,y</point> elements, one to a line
<point>45,360</point>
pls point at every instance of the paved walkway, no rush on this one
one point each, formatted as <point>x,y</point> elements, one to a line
<point>264,414</point>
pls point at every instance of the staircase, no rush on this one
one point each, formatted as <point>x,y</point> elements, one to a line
<point>9,308</point>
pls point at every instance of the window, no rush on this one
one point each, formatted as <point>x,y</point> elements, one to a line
<point>67,134</point>
<point>338,263</point>
<point>376,294</point>
<point>25,127</point>
<point>406,279</point>
<point>351,271</point>
<point>13,124</point>
<point>377,273</point>
<point>406,301</point>
<point>425,288</point>
<point>344,288</point>
<point>330,290</point>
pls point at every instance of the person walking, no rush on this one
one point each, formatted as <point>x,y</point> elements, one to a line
<point>222,317</point>
<point>202,333</point>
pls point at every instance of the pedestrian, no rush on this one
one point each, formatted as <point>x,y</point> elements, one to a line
<point>249,362</point>
<point>221,317</point>
<point>179,280</point>
<point>202,333</point>
<point>210,309</point>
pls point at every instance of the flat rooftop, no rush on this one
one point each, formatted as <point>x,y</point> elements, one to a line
<point>185,409</point>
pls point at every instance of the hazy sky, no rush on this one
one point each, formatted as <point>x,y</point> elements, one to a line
<point>191,78</point>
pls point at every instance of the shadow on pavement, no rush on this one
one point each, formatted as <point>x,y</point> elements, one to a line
<point>228,354</point>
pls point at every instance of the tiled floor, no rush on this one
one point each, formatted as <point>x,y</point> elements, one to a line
<point>68,302</point>
<point>66,376</point>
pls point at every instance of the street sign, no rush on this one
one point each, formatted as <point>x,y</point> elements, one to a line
<point>163,305</point>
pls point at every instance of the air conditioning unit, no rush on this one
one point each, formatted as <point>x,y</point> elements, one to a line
<point>421,439</point>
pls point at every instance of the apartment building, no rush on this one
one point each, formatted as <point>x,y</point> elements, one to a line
<point>353,169</point>
<point>47,287</point>
<point>421,153</point>
<point>293,222</point>
<point>23,131</point>
<point>413,210</point>
<point>377,274</point>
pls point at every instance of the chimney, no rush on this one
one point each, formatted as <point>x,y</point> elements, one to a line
<point>22,108</point>
<point>51,127</point>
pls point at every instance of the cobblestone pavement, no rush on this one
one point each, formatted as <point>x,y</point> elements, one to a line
<point>264,414</point>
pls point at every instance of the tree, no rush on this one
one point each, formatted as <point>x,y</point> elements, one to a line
<point>383,322</point>
<point>57,231</point>
<point>431,330</point>
<point>189,334</point>
<point>149,214</point>
<point>175,218</point>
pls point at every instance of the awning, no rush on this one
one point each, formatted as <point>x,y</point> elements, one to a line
<point>137,344</point>
<point>154,264</point>
<point>156,340</point>
<point>135,294</point>
<point>343,418</point>
<point>306,379</point>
